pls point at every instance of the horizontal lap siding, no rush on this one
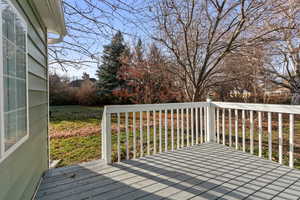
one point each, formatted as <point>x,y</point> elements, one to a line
<point>21,171</point>
<point>36,83</point>
<point>35,52</point>
<point>38,98</point>
<point>24,169</point>
<point>36,68</point>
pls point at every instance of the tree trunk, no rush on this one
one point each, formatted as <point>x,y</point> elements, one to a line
<point>296,91</point>
<point>295,98</point>
<point>197,95</point>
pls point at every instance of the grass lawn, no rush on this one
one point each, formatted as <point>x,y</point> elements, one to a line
<point>75,136</point>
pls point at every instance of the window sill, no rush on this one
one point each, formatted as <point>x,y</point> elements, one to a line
<point>13,148</point>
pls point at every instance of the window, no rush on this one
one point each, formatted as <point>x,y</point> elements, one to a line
<point>13,80</point>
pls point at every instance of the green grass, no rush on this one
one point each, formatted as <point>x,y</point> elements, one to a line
<point>74,149</point>
<point>77,148</point>
<point>73,113</point>
<point>72,117</point>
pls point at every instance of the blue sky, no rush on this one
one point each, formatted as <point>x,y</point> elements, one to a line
<point>134,24</point>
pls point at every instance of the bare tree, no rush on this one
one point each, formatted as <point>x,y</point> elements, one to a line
<point>242,78</point>
<point>146,76</point>
<point>89,23</point>
<point>285,52</point>
<point>200,34</point>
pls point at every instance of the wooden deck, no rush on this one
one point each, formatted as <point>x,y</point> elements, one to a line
<point>207,171</point>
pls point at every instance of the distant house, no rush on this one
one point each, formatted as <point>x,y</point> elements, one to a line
<point>24,151</point>
<point>278,91</point>
<point>77,83</point>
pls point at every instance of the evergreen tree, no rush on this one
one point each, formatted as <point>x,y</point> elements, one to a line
<point>139,50</point>
<point>85,76</point>
<point>111,63</point>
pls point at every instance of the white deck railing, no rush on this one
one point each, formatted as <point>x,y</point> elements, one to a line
<point>154,128</point>
<point>259,109</point>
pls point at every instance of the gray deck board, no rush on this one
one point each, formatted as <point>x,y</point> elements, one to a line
<point>206,171</point>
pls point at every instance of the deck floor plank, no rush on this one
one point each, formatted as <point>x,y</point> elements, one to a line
<point>206,171</point>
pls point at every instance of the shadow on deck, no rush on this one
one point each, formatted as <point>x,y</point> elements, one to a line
<point>206,171</point>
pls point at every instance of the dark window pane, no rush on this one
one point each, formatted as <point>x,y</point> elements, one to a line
<point>20,34</point>
<point>10,122</point>
<point>8,21</point>
<point>10,94</point>
<point>21,64</point>
<point>9,58</point>
<point>21,93</point>
<point>21,123</point>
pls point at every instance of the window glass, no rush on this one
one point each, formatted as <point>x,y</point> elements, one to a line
<point>21,64</point>
<point>20,34</point>
<point>22,123</point>
<point>9,58</point>
<point>10,94</point>
<point>21,94</point>
<point>8,21</point>
<point>14,75</point>
<point>10,125</point>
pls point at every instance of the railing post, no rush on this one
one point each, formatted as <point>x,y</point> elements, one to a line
<point>210,115</point>
<point>106,136</point>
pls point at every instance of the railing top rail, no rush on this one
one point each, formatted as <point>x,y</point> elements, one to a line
<point>290,109</point>
<point>277,108</point>
<point>151,107</point>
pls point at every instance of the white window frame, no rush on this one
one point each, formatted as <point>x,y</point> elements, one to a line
<point>4,154</point>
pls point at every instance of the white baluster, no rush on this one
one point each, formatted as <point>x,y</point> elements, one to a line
<point>119,154</point>
<point>218,125</point>
<point>205,122</point>
<point>141,134</point>
<point>160,132</point>
<point>148,132</point>
<point>178,129</point>
<point>270,134</point>
<point>223,126</point>
<point>182,128</point>
<point>230,128</point>
<point>291,141</point>
<point>127,135</point>
<point>187,127</point>
<point>192,125</point>
<point>172,130</point>
<point>201,125</point>
<point>236,129</point>
<point>280,138</point>
<point>154,132</point>
<point>197,127</point>
<point>244,130</point>
<point>260,131</point>
<point>251,132</point>
<point>166,130</point>
<point>134,134</point>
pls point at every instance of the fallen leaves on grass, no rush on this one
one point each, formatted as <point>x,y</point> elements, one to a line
<point>84,131</point>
